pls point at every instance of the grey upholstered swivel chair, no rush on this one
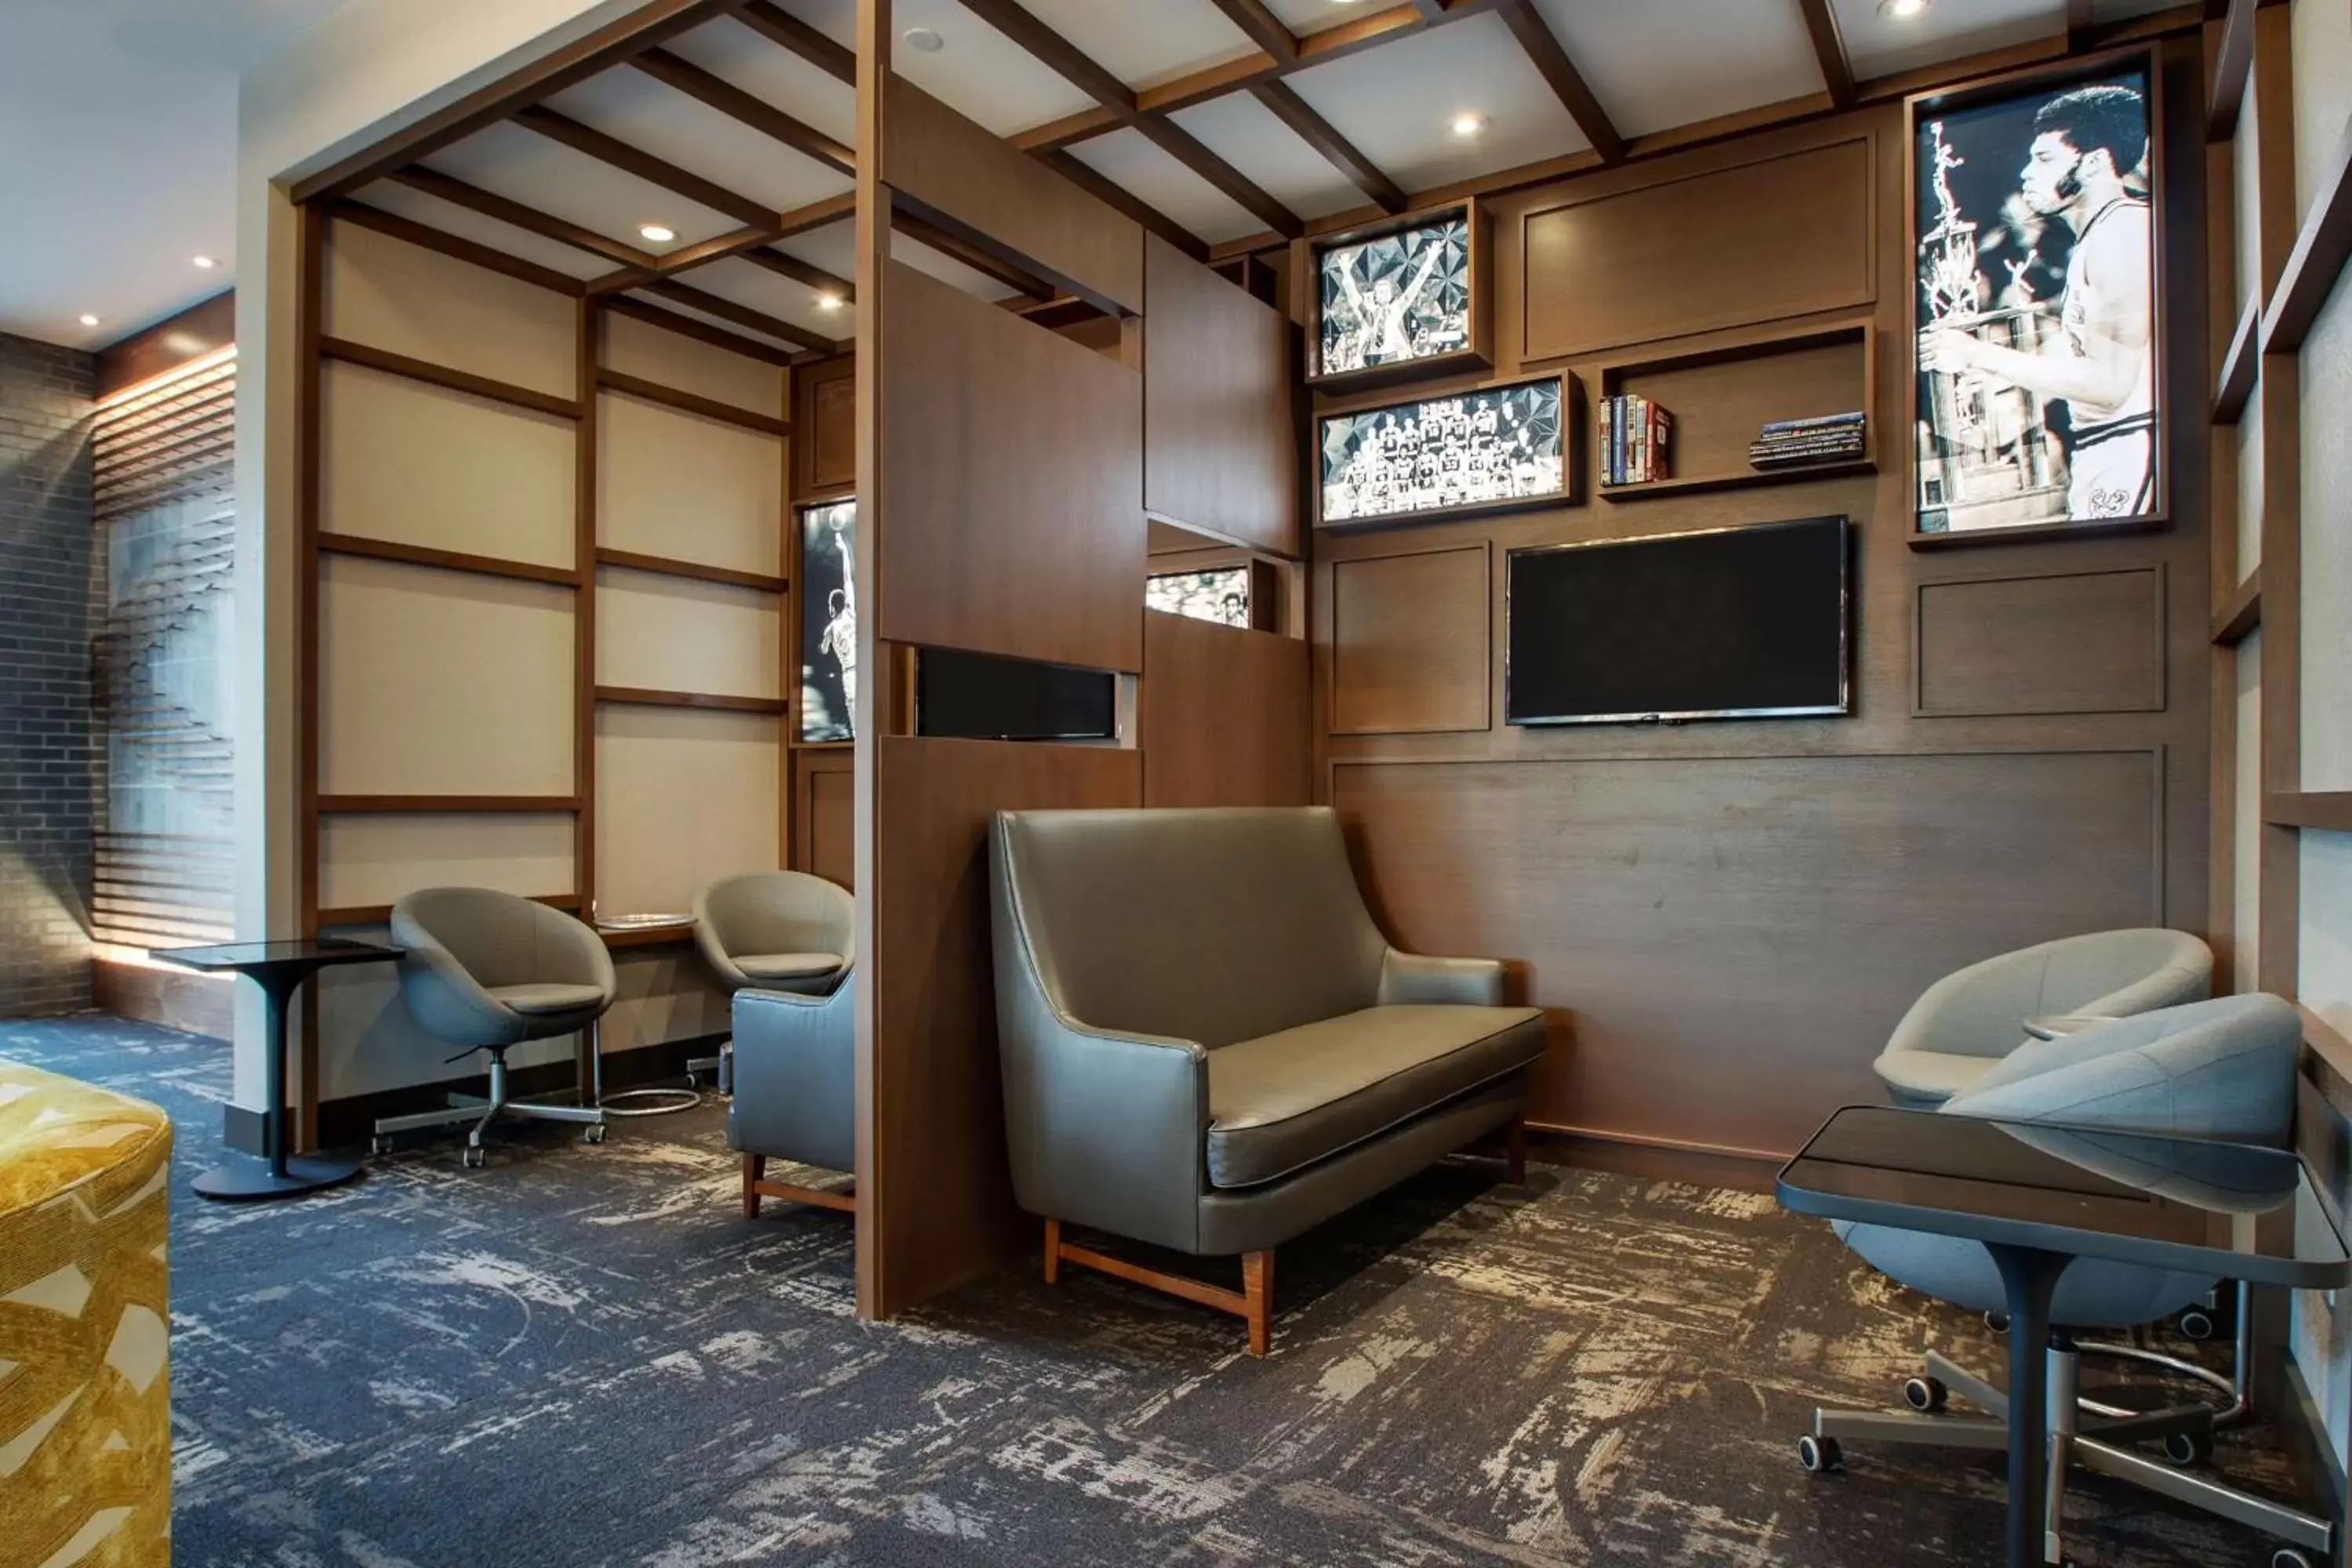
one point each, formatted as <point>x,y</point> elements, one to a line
<point>2223,1069</point>
<point>488,971</point>
<point>1969,1020</point>
<point>795,1089</point>
<point>775,931</point>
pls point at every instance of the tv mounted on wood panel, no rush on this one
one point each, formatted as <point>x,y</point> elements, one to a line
<point>1491,448</point>
<point>987,697</point>
<point>1733,623</point>
<point>2036,207</point>
<point>1402,298</point>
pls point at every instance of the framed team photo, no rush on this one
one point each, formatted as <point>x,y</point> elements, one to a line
<point>1492,448</point>
<point>2038,392</point>
<point>828,589</point>
<point>1401,299</point>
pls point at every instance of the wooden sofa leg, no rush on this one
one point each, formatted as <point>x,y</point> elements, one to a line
<point>754,1167</point>
<point>1514,1151</point>
<point>1257,1291</point>
<point>1053,1252</point>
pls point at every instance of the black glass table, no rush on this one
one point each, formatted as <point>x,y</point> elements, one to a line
<point>2038,1197</point>
<point>278,968</point>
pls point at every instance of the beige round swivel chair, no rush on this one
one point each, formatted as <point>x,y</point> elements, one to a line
<point>775,931</point>
<point>488,971</point>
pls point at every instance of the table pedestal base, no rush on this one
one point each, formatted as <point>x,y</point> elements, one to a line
<point>250,1180</point>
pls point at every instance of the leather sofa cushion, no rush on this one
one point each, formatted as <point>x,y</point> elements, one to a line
<point>787,965</point>
<point>1285,1101</point>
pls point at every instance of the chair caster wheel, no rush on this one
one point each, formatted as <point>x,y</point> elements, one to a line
<point>1819,1456</point>
<point>474,1157</point>
<point>2195,1323</point>
<point>592,1133</point>
<point>2288,1557</point>
<point>1925,1395</point>
<point>2186,1450</point>
<point>379,1144</point>
<point>1997,1321</point>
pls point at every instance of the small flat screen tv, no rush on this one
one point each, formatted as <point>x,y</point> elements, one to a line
<point>1735,623</point>
<point>982,697</point>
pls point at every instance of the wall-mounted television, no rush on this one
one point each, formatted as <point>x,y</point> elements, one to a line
<point>983,697</point>
<point>1734,623</point>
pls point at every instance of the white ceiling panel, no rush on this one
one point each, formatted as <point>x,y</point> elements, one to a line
<point>675,308</point>
<point>1666,63</point>
<point>1144,45</point>
<point>1397,102</point>
<point>525,167</point>
<point>761,289</point>
<point>977,71</point>
<point>641,111</point>
<point>466,224</point>
<point>834,249</point>
<point>769,71</point>
<point>1246,134</point>
<point>1127,158</point>
<point>1946,29</point>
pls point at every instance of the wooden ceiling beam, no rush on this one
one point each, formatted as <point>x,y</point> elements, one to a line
<point>780,225</point>
<point>490,205</point>
<point>743,316</point>
<point>1119,198</point>
<point>1261,27</point>
<point>1829,50</point>
<point>746,108</point>
<point>616,153</point>
<point>420,233</point>
<point>838,61</point>
<point>1018,278</point>
<point>1324,137</point>
<point>787,266</point>
<point>2081,18</point>
<point>1543,50</point>
<point>697,328</point>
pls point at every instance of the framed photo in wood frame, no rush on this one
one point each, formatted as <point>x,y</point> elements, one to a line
<point>828,620</point>
<point>2036,401</point>
<point>1404,298</point>
<point>1501,447</point>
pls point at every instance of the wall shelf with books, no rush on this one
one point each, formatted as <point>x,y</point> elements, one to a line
<point>1720,399</point>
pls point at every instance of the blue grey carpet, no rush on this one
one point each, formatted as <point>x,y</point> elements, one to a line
<point>585,1356</point>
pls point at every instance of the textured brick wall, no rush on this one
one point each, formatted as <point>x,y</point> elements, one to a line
<point>49,582</point>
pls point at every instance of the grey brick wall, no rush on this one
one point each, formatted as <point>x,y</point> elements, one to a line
<point>50,579</point>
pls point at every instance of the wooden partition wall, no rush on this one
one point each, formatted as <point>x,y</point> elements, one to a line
<point>1726,919</point>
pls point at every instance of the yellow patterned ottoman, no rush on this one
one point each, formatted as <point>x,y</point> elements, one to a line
<point>85,1398</point>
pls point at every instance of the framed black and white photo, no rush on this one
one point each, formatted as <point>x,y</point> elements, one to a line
<point>1221,595</point>
<point>828,590</point>
<point>2037,404</point>
<point>1488,450</point>
<point>1402,299</point>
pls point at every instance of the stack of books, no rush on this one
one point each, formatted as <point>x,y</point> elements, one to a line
<point>1635,435</point>
<point>1796,443</point>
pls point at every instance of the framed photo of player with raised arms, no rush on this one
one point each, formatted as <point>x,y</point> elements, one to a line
<point>2037,401</point>
<point>1403,298</point>
<point>828,590</point>
<point>1486,449</point>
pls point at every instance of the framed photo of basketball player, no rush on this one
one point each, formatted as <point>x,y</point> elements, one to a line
<point>828,589</point>
<point>1504,447</point>
<point>2037,398</point>
<point>1403,298</point>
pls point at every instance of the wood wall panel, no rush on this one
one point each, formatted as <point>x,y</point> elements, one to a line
<point>688,364</point>
<point>1013,464</point>
<point>1220,419</point>
<point>1725,944</point>
<point>826,428</point>
<point>935,1199</point>
<point>684,796</point>
<point>825,827</point>
<point>1227,715</point>
<point>1409,643</point>
<point>389,294</point>
<point>365,860</point>
<point>423,465</point>
<point>673,634</point>
<point>1652,257</point>
<point>2081,642</point>
<point>959,175</point>
<point>676,484</point>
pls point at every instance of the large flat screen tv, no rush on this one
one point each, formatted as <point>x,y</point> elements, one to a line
<point>982,697</point>
<point>1735,623</point>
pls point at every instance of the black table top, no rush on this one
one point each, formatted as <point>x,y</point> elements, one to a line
<point>2191,1203</point>
<point>255,957</point>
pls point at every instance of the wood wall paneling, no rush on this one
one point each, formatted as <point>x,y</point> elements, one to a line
<point>1650,257</point>
<point>392,295</point>
<point>201,329</point>
<point>637,348</point>
<point>1014,521</point>
<point>824,832</point>
<point>1220,413</point>
<point>380,858</point>
<point>2078,642</point>
<point>676,484</point>
<point>825,428</point>
<point>936,1202</point>
<point>1409,642</point>
<point>1226,715</point>
<point>1720,396</point>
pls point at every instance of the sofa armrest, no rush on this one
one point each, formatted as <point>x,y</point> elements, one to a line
<point>795,1075</point>
<point>1409,979</point>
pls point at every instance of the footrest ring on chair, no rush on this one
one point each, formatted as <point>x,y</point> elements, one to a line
<point>650,1101</point>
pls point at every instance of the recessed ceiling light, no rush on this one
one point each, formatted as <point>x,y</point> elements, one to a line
<point>1469,124</point>
<point>828,302</point>
<point>206,262</point>
<point>89,321</point>
<point>659,233</point>
<point>1901,10</point>
<point>925,39</point>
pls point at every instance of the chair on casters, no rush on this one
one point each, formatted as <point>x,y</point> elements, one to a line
<point>795,1089</point>
<point>2223,1069</point>
<point>773,931</point>
<point>488,971</point>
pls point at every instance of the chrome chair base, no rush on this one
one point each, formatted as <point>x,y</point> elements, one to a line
<point>483,1109</point>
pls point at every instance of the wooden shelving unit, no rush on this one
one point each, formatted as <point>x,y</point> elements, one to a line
<point>1720,396</point>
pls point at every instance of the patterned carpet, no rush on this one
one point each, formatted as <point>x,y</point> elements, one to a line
<point>586,1356</point>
